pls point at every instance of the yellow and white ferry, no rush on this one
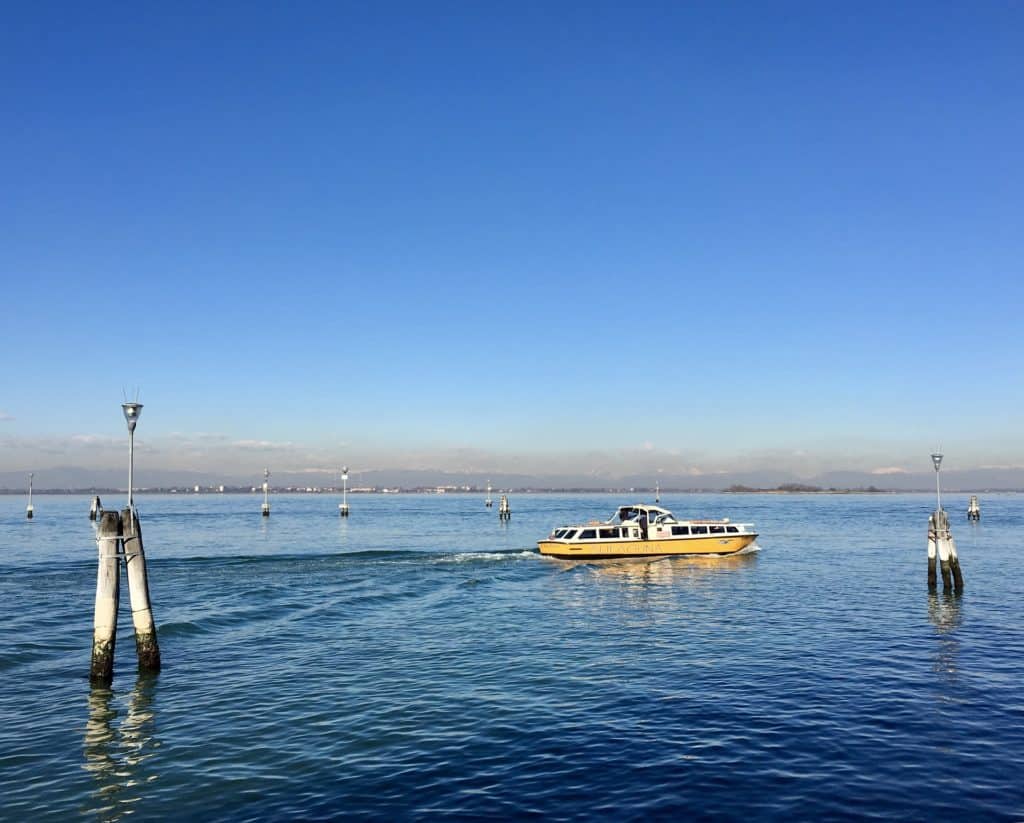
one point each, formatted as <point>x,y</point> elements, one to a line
<point>641,530</point>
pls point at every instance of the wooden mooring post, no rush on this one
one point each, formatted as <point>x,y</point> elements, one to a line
<point>95,508</point>
<point>941,543</point>
<point>146,646</point>
<point>120,535</point>
<point>973,508</point>
<point>504,510</point>
<point>108,584</point>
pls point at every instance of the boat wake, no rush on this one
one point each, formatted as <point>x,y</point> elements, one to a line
<point>466,557</point>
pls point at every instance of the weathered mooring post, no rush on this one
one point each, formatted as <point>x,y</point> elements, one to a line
<point>95,508</point>
<point>343,505</point>
<point>146,646</point>
<point>265,509</point>
<point>973,509</point>
<point>135,559</point>
<point>940,542</point>
<point>504,511</point>
<point>30,512</point>
<point>108,584</point>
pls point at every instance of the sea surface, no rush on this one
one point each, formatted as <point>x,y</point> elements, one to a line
<point>419,660</point>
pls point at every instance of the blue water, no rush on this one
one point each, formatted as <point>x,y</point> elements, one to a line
<point>417,660</point>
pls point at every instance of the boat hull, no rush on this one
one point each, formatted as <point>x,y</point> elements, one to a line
<point>614,549</point>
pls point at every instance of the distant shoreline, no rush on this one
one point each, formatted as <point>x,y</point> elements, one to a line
<point>191,492</point>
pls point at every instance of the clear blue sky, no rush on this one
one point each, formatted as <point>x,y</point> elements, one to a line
<point>705,229</point>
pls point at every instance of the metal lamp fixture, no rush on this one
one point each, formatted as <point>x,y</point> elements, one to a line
<point>937,460</point>
<point>131,415</point>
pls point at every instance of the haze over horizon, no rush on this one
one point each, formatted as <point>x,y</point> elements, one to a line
<point>573,241</point>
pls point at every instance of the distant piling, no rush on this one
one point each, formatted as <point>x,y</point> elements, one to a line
<point>95,508</point>
<point>343,505</point>
<point>504,510</point>
<point>941,543</point>
<point>265,509</point>
<point>30,511</point>
<point>108,583</point>
<point>973,508</point>
<point>146,646</point>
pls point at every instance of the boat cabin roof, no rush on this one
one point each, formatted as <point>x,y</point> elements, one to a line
<point>634,512</point>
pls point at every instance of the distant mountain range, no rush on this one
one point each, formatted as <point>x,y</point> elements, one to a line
<point>69,478</point>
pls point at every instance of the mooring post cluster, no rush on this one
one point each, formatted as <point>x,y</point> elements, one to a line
<point>504,510</point>
<point>941,544</point>
<point>343,505</point>
<point>973,508</point>
<point>95,508</point>
<point>119,535</point>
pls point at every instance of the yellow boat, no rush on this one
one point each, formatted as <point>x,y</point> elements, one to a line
<point>646,531</point>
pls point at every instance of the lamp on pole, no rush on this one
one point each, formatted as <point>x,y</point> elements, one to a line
<point>131,415</point>
<point>937,460</point>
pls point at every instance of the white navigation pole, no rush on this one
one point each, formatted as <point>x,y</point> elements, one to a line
<point>266,492</point>
<point>343,506</point>
<point>131,415</point>
<point>30,512</point>
<point>487,500</point>
<point>937,460</point>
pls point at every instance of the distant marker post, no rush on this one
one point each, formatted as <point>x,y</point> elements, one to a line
<point>343,506</point>
<point>265,510</point>
<point>30,511</point>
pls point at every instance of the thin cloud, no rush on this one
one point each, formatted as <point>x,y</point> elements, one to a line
<point>261,445</point>
<point>5,417</point>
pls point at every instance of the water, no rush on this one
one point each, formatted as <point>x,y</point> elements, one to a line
<point>416,660</point>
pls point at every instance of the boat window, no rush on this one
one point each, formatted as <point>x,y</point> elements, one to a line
<point>569,534</point>
<point>608,534</point>
<point>588,534</point>
<point>677,530</point>
<point>698,529</point>
<point>718,529</point>
<point>732,530</point>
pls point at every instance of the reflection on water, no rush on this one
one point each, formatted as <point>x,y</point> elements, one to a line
<point>116,753</point>
<point>648,587</point>
<point>945,614</point>
<point>646,571</point>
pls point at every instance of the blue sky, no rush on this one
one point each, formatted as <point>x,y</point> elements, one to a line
<point>699,235</point>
